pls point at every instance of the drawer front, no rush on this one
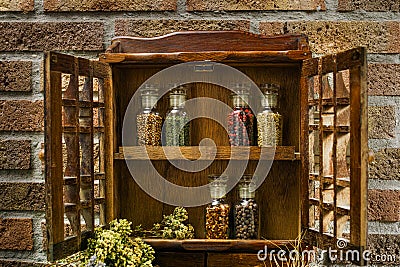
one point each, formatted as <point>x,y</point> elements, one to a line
<point>238,260</point>
<point>180,259</point>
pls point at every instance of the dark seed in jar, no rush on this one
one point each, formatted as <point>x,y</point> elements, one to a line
<point>246,220</point>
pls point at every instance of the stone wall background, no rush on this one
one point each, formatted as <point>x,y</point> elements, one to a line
<point>85,28</point>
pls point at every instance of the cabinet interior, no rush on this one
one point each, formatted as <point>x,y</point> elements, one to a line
<point>278,197</point>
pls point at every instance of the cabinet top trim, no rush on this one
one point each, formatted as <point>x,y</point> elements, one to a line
<point>192,42</point>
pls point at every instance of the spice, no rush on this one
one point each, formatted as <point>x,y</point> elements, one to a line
<point>241,121</point>
<point>217,212</point>
<point>246,220</point>
<point>269,126</point>
<point>149,129</point>
<point>149,122</point>
<point>217,221</point>
<point>246,211</point>
<point>269,121</point>
<point>177,121</point>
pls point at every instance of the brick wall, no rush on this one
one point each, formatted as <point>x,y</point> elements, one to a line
<point>29,27</point>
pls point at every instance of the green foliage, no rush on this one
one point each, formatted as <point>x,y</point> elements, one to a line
<point>114,247</point>
<point>173,227</point>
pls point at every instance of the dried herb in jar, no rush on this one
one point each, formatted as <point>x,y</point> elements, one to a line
<point>149,122</point>
<point>176,123</point>
<point>269,121</point>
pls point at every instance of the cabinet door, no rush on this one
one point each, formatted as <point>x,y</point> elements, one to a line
<point>334,146</point>
<point>76,150</point>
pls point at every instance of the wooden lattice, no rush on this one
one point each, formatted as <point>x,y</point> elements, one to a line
<point>335,182</point>
<point>75,150</point>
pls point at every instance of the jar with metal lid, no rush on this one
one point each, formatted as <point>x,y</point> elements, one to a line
<point>217,212</point>
<point>246,211</point>
<point>149,121</point>
<point>269,121</point>
<point>176,123</point>
<point>241,121</point>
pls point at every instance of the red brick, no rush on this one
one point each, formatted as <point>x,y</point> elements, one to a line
<point>369,5</point>
<point>151,28</point>
<point>15,76</point>
<point>22,196</point>
<point>15,154</point>
<point>332,36</point>
<point>17,5</point>
<point>386,165</point>
<point>16,234</point>
<point>383,205</point>
<point>384,79</point>
<point>21,115</point>
<point>116,5</point>
<point>213,5</point>
<point>381,122</point>
<point>39,36</point>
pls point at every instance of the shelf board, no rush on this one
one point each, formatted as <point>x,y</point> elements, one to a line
<point>207,153</point>
<point>342,101</point>
<point>217,244</point>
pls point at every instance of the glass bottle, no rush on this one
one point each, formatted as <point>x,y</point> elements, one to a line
<point>246,212</point>
<point>217,212</point>
<point>149,121</point>
<point>176,123</point>
<point>241,121</point>
<point>269,121</point>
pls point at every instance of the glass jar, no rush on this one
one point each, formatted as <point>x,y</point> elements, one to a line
<point>241,121</point>
<point>149,121</point>
<point>269,121</point>
<point>176,123</point>
<point>246,212</point>
<point>217,212</point>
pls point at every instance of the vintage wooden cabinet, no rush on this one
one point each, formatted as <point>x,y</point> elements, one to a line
<point>318,181</point>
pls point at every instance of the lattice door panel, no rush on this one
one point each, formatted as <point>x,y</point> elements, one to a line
<point>335,186</point>
<point>75,150</point>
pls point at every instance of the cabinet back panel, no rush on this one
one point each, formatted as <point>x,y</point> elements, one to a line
<point>278,197</point>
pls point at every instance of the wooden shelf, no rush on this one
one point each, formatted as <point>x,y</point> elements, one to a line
<point>330,128</point>
<point>217,244</point>
<point>206,153</point>
<point>342,101</point>
<point>343,182</point>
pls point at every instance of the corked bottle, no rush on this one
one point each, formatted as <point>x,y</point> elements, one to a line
<point>241,121</point>
<point>176,123</point>
<point>246,212</point>
<point>269,121</point>
<point>149,121</point>
<point>217,212</point>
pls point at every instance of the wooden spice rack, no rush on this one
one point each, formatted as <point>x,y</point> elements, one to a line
<point>317,183</point>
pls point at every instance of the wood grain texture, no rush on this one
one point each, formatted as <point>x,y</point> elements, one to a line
<point>224,57</point>
<point>205,153</point>
<point>215,245</point>
<point>240,260</point>
<point>201,41</point>
<point>359,152</point>
<point>53,167</point>
<point>176,259</point>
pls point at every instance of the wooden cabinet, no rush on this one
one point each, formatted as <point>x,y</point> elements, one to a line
<point>318,180</point>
